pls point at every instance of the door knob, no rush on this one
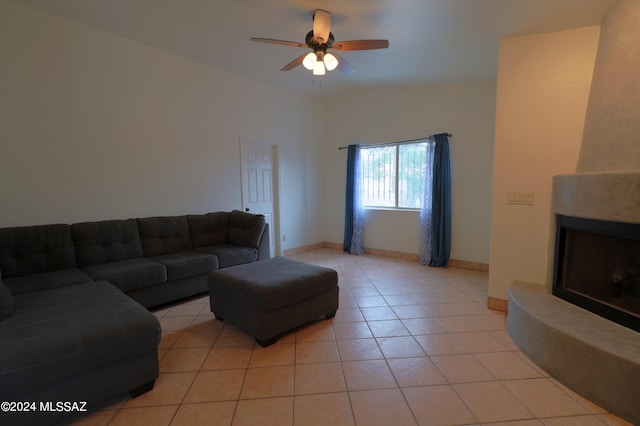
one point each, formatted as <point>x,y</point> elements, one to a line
<point>246,209</point>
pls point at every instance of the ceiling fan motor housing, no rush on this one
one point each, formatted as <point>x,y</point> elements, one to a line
<point>315,45</point>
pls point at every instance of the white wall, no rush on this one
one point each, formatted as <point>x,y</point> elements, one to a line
<point>393,114</point>
<point>94,126</point>
<point>543,87</point>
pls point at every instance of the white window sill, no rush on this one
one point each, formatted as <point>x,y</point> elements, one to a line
<point>393,209</point>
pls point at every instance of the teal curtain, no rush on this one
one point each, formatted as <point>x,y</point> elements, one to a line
<point>441,202</point>
<point>348,202</point>
<point>354,211</point>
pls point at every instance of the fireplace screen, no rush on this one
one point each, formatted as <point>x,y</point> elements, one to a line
<point>597,267</point>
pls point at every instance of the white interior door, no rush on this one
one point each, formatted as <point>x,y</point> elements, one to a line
<point>258,184</point>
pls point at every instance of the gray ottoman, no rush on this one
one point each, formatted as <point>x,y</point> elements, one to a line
<point>270,297</point>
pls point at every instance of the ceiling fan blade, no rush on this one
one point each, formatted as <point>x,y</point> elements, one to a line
<point>281,42</point>
<point>321,25</point>
<point>361,44</point>
<point>291,65</point>
<point>343,65</point>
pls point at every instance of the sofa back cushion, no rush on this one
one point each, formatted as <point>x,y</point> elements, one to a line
<point>245,229</point>
<point>209,229</point>
<point>106,241</point>
<point>33,249</point>
<point>164,235</point>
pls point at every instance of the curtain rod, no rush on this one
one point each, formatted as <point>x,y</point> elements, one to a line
<point>393,143</point>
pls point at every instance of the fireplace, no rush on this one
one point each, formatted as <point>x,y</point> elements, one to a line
<point>597,267</point>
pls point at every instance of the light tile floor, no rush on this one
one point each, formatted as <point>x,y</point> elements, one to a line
<point>410,345</point>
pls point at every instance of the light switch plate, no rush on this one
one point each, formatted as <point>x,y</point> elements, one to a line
<point>521,198</point>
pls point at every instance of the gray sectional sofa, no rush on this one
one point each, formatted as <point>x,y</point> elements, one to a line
<point>73,319</point>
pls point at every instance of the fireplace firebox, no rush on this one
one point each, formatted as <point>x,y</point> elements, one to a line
<point>597,267</point>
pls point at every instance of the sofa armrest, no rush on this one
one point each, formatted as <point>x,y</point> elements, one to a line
<point>264,252</point>
<point>6,300</point>
<point>245,229</point>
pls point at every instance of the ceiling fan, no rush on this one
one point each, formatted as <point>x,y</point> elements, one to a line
<point>320,39</point>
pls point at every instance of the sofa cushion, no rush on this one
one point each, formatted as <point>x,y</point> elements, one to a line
<point>106,241</point>
<point>229,255</point>
<point>186,264</point>
<point>33,249</point>
<point>128,274</point>
<point>164,235</point>
<point>6,300</point>
<point>56,334</point>
<point>47,280</point>
<point>245,229</point>
<point>208,229</point>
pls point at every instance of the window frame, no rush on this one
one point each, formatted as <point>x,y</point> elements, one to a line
<point>396,146</point>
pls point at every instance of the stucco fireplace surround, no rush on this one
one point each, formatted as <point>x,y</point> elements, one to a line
<point>597,250</point>
<point>594,356</point>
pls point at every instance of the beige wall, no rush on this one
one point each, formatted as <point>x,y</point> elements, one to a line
<point>392,114</point>
<point>543,87</point>
<point>94,126</point>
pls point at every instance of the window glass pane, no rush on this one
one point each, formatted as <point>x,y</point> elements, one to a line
<point>379,176</point>
<point>411,165</point>
<point>394,174</point>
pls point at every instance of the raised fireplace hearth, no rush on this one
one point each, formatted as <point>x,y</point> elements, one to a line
<point>597,239</point>
<point>597,267</point>
<point>595,357</point>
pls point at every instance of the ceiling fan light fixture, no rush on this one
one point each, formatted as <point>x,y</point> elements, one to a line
<point>318,68</point>
<point>319,40</point>
<point>330,61</point>
<point>309,61</point>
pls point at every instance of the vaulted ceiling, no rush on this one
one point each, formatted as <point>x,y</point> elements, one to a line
<point>431,41</point>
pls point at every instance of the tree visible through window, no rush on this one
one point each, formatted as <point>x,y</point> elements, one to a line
<point>394,175</point>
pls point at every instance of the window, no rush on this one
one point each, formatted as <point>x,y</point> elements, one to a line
<point>393,174</point>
